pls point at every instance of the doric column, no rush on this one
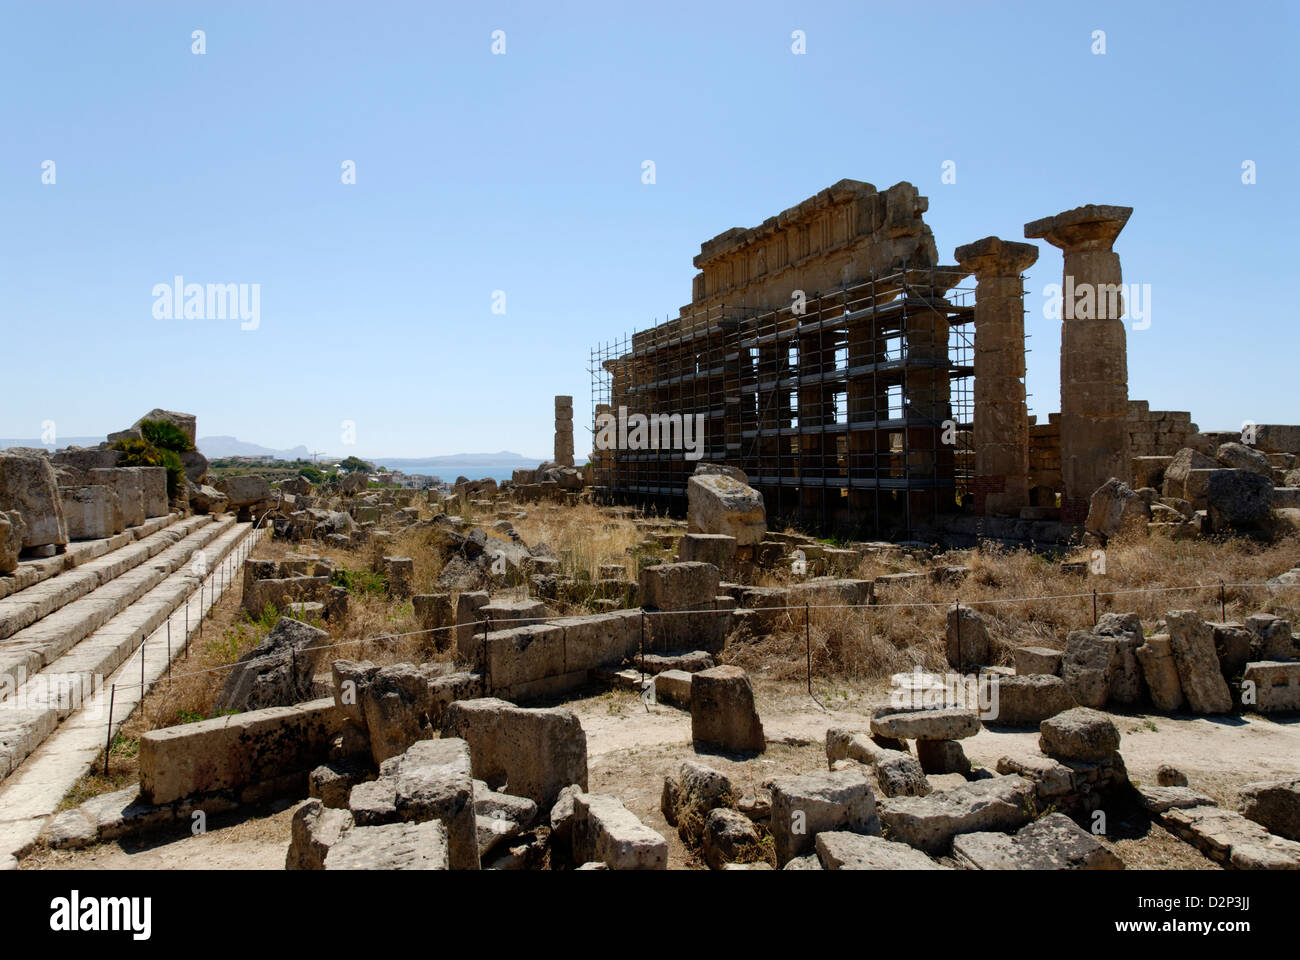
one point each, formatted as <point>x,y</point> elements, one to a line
<point>1094,357</point>
<point>1001,433</point>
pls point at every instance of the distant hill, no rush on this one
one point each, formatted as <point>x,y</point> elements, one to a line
<point>502,458</point>
<point>215,447</point>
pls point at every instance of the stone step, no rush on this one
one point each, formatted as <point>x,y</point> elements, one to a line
<point>24,607</point>
<point>34,647</point>
<point>35,570</point>
<point>60,689</point>
<point>33,792</point>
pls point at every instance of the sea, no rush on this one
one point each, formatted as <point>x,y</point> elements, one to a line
<point>448,474</point>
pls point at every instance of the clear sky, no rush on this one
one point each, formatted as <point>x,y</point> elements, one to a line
<point>522,173</point>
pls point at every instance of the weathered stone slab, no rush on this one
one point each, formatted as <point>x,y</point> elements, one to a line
<point>392,846</point>
<point>1054,842</point>
<point>278,672</point>
<point>128,484</point>
<point>1160,671</point>
<point>1232,840</point>
<point>950,723</point>
<point>91,512</point>
<point>807,805</point>
<point>607,832</point>
<point>929,823</point>
<point>1036,660</point>
<point>841,850</point>
<point>679,586</point>
<point>227,753</point>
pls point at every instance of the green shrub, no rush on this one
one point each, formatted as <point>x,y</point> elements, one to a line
<point>153,453</point>
<point>165,435</point>
<point>360,581</point>
<point>138,453</point>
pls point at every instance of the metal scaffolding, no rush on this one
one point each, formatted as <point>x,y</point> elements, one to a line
<point>850,412</point>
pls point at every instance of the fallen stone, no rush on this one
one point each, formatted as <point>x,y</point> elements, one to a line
<point>721,504</point>
<point>968,643</point>
<point>1079,734</point>
<point>1191,640</point>
<point>949,723</point>
<point>315,829</point>
<point>722,710</point>
<point>1231,839</point>
<point>840,850</point>
<point>1054,842</point>
<point>277,672</point>
<point>534,753</point>
<point>1275,685</point>
<point>729,836</point>
<point>930,823</point>
<point>607,832</point>
<point>1274,804</point>
<point>1036,660</point>
<point>804,806</point>
<point>1027,700</point>
<point>392,846</point>
<point>1160,671</point>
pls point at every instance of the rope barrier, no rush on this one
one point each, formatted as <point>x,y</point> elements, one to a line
<point>806,607</point>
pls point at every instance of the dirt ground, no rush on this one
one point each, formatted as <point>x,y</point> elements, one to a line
<point>631,747</point>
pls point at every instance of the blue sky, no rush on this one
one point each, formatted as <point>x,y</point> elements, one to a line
<point>522,173</point>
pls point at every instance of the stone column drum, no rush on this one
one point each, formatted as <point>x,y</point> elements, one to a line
<point>564,431</point>
<point>1094,353</point>
<point>1001,431</point>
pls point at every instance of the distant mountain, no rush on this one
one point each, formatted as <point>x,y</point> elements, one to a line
<point>502,458</point>
<point>216,447</point>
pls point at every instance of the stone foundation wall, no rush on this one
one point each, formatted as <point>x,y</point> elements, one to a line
<point>1158,433</point>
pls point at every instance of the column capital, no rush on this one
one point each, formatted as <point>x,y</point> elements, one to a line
<point>995,257</point>
<point>1090,227</point>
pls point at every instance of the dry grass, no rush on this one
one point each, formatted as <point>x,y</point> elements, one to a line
<point>1025,598</point>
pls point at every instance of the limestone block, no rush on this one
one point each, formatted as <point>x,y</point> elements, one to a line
<point>605,831</point>
<point>1191,640</point>
<point>720,504</point>
<point>128,483</point>
<point>804,806</point>
<point>28,485</point>
<point>91,512</point>
<point>535,753</point>
<point>723,712</point>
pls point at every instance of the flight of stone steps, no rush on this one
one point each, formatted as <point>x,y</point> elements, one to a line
<point>78,634</point>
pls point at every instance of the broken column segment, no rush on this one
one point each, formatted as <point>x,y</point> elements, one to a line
<point>1094,359</point>
<point>564,431</point>
<point>1001,415</point>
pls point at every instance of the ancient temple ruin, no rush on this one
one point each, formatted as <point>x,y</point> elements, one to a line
<point>867,387</point>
